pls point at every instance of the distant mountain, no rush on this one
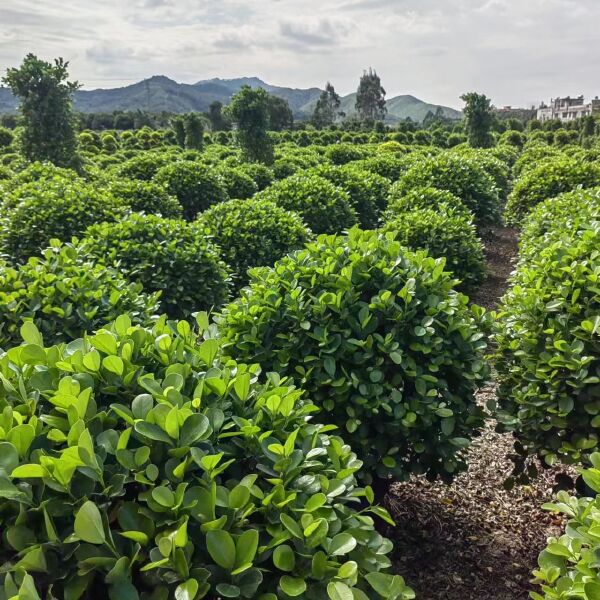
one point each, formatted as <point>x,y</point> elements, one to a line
<point>159,93</point>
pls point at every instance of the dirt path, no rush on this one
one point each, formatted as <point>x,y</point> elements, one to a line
<point>474,540</point>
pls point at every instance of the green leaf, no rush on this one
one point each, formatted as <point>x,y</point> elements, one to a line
<point>246,547</point>
<point>114,364</point>
<point>292,586</point>
<point>186,590</point>
<point>31,334</point>
<point>284,558</point>
<point>9,457</point>
<point>342,543</point>
<point>196,427</point>
<point>152,431</point>
<point>337,590</point>
<point>88,524</point>
<point>29,471</point>
<point>221,547</point>
<point>163,496</point>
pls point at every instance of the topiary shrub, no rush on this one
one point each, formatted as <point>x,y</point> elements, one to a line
<point>568,567</point>
<point>148,467</point>
<point>146,196</point>
<point>66,294</point>
<point>59,207</point>
<point>238,184</point>
<point>166,255</point>
<point>443,234</point>
<point>379,339</point>
<point>549,179</point>
<point>367,190</point>
<point>195,185</point>
<point>324,207</point>
<point>400,202</point>
<point>261,174</point>
<point>460,176</point>
<point>144,165</point>
<point>547,356</point>
<point>340,154</point>
<point>386,164</point>
<point>253,233</point>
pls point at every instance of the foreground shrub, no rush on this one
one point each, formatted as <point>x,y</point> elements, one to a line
<point>61,207</point>
<point>442,234</point>
<point>195,186</point>
<point>260,174</point>
<point>237,183</point>
<point>551,178</point>
<point>166,255</point>
<point>568,566</point>
<point>387,164</point>
<point>253,233</point>
<point>400,202</point>
<point>381,342</point>
<point>340,154</point>
<point>324,207</point>
<point>367,191</point>
<point>196,479</point>
<point>147,197</point>
<point>66,294</point>
<point>547,356</point>
<point>144,165</point>
<point>460,176</point>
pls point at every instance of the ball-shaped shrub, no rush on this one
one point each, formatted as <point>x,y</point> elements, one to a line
<point>400,202</point>
<point>568,567</point>
<point>379,339</point>
<point>145,196</point>
<point>549,179</point>
<point>340,154</point>
<point>139,462</point>
<point>386,164</point>
<point>548,357</point>
<point>393,146</point>
<point>65,293</point>
<point>460,176</point>
<point>164,255</point>
<point>196,186</point>
<point>238,184</point>
<point>532,156</point>
<point>324,207</point>
<point>260,174</point>
<point>367,190</point>
<point>253,233</point>
<point>443,234</point>
<point>144,165</point>
<point>60,207</point>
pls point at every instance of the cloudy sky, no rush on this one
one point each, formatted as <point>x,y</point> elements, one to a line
<point>515,51</point>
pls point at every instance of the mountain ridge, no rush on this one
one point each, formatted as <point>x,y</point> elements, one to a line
<point>161,93</point>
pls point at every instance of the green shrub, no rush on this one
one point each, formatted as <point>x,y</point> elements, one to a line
<point>253,233</point>
<point>166,255</point>
<point>379,339</point>
<point>145,196</point>
<point>66,294</point>
<point>532,156</point>
<point>324,207</point>
<point>367,190</point>
<point>568,566</point>
<point>400,202</point>
<point>59,207</point>
<point>340,154</point>
<point>144,165</point>
<point>497,169</point>
<point>195,185</point>
<point>261,174</point>
<point>551,178</point>
<point>149,467</point>
<point>460,176</point>
<point>547,356</point>
<point>386,164</point>
<point>556,217</point>
<point>443,234</point>
<point>238,184</point>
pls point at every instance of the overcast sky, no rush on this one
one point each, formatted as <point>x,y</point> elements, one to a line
<point>516,51</point>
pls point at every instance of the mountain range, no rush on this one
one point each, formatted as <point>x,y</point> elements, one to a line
<point>159,93</point>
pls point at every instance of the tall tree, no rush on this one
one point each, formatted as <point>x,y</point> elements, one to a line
<point>479,119</point>
<point>280,114</point>
<point>370,97</point>
<point>194,131</point>
<point>327,108</point>
<point>46,110</point>
<point>249,109</point>
<point>178,127</point>
<point>218,120</point>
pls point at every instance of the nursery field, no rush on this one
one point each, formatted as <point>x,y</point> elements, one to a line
<point>356,364</point>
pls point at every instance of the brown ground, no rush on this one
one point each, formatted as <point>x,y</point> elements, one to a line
<point>474,540</point>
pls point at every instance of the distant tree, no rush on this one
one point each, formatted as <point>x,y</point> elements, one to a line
<point>6,137</point>
<point>479,119</point>
<point>249,109</point>
<point>588,126</point>
<point>46,110</point>
<point>218,120</point>
<point>280,114</point>
<point>370,97</point>
<point>327,109</point>
<point>193,125</point>
<point>122,121</point>
<point>178,127</point>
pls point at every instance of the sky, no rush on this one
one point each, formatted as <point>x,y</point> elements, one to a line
<point>518,52</point>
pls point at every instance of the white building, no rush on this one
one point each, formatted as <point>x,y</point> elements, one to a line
<point>567,109</point>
